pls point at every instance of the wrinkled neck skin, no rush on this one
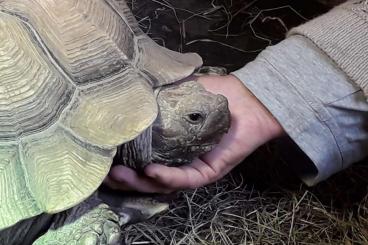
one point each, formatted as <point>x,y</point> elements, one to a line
<point>191,121</point>
<point>137,153</point>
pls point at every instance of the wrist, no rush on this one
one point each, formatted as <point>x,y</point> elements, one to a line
<point>271,126</point>
<point>264,122</point>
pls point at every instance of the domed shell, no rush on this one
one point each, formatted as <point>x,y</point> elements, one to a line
<point>76,79</point>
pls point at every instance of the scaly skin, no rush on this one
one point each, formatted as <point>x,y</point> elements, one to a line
<point>90,223</point>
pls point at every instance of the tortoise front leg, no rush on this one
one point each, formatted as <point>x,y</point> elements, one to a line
<point>98,220</point>
<point>90,223</point>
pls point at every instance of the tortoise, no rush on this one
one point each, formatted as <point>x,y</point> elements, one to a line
<point>80,84</point>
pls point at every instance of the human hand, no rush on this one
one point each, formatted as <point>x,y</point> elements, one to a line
<point>251,126</point>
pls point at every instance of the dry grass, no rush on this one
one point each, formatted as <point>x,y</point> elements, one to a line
<point>230,212</point>
<point>263,202</point>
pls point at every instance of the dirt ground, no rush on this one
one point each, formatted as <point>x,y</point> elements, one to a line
<point>262,202</point>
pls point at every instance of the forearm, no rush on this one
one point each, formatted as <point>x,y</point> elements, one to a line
<point>314,101</point>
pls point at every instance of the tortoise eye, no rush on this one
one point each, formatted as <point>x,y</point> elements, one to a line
<point>195,118</point>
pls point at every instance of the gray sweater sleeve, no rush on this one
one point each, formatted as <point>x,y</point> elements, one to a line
<point>323,112</point>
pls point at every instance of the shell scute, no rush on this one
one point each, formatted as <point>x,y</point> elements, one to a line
<point>114,111</point>
<point>88,40</point>
<point>58,163</point>
<point>32,93</point>
<point>16,201</point>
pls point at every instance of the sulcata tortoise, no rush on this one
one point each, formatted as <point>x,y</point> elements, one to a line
<point>80,82</point>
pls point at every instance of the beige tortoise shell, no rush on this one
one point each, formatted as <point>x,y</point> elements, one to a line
<point>76,80</point>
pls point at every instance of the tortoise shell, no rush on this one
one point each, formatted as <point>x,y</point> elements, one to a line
<point>76,81</point>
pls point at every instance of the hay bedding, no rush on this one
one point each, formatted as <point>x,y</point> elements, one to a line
<point>262,202</point>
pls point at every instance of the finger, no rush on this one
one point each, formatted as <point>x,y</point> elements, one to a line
<point>222,158</point>
<point>116,185</point>
<point>215,84</point>
<point>231,150</point>
<point>194,175</point>
<point>124,178</point>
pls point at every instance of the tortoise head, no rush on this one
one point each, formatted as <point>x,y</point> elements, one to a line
<point>191,121</point>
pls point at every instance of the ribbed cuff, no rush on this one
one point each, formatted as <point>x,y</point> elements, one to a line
<point>342,34</point>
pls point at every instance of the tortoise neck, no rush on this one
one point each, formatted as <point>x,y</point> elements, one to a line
<point>137,153</point>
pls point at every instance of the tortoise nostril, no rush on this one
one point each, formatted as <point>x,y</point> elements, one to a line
<point>221,99</point>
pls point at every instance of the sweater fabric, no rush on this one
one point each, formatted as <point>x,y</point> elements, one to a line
<point>315,83</point>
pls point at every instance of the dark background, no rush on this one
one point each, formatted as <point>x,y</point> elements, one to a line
<point>224,32</point>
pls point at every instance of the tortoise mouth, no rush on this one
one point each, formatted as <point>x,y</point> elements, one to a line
<point>191,148</point>
<point>175,157</point>
<point>202,148</point>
